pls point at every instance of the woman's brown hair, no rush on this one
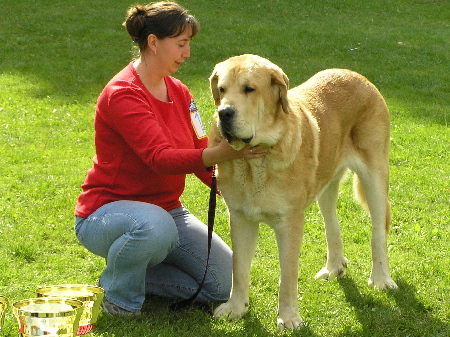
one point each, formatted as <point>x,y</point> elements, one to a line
<point>163,19</point>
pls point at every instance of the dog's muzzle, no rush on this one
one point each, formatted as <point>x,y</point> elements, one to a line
<point>226,117</point>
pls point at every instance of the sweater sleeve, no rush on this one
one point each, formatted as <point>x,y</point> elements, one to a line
<point>150,136</point>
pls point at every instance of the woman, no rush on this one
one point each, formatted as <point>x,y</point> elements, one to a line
<point>148,137</point>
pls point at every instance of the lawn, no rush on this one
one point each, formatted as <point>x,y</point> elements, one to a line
<point>55,59</point>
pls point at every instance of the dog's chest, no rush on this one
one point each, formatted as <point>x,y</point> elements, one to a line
<point>252,189</point>
<point>251,177</point>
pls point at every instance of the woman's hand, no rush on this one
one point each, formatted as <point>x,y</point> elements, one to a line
<point>223,152</point>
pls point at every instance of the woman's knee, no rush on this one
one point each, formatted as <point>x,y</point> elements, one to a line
<point>153,226</point>
<point>150,226</point>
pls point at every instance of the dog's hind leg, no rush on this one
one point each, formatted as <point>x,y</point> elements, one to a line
<point>327,199</point>
<point>371,187</point>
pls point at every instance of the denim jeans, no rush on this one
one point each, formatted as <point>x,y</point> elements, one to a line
<point>151,251</point>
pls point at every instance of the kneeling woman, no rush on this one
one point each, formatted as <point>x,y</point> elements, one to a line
<point>129,211</point>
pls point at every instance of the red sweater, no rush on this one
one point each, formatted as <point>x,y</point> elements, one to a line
<point>144,147</point>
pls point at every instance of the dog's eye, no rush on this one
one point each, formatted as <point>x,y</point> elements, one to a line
<point>248,89</point>
<point>221,89</point>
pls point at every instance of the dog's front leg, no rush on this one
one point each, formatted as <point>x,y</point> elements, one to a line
<point>289,239</point>
<point>244,238</point>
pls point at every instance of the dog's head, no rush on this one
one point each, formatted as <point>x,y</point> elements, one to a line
<point>251,93</point>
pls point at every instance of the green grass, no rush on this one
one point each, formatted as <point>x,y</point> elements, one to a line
<point>57,56</point>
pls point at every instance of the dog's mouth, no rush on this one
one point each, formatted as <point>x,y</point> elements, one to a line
<point>247,140</point>
<point>231,138</point>
<point>226,127</point>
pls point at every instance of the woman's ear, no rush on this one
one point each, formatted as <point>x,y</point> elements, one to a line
<point>152,43</point>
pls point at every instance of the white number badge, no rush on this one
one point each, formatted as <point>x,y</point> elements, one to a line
<point>196,121</point>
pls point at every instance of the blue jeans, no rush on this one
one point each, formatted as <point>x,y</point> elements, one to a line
<point>151,251</point>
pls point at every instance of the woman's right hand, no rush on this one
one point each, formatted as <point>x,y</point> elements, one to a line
<point>224,152</point>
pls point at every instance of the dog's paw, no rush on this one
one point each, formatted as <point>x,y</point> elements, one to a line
<point>333,270</point>
<point>324,274</point>
<point>382,283</point>
<point>288,317</point>
<point>289,323</point>
<point>230,311</point>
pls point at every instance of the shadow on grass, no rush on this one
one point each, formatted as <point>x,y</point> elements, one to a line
<point>409,317</point>
<point>158,320</point>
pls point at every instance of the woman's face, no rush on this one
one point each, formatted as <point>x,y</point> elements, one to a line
<point>172,51</point>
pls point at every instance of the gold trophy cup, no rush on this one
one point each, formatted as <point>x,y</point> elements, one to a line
<point>91,296</point>
<point>48,316</point>
<point>3,306</point>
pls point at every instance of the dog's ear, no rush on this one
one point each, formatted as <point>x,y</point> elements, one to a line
<point>213,80</point>
<point>281,79</point>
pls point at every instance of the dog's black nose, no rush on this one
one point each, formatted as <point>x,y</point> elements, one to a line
<point>226,114</point>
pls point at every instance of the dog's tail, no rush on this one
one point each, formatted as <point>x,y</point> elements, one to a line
<point>360,196</point>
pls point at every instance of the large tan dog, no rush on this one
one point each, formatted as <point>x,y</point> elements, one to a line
<point>315,132</point>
